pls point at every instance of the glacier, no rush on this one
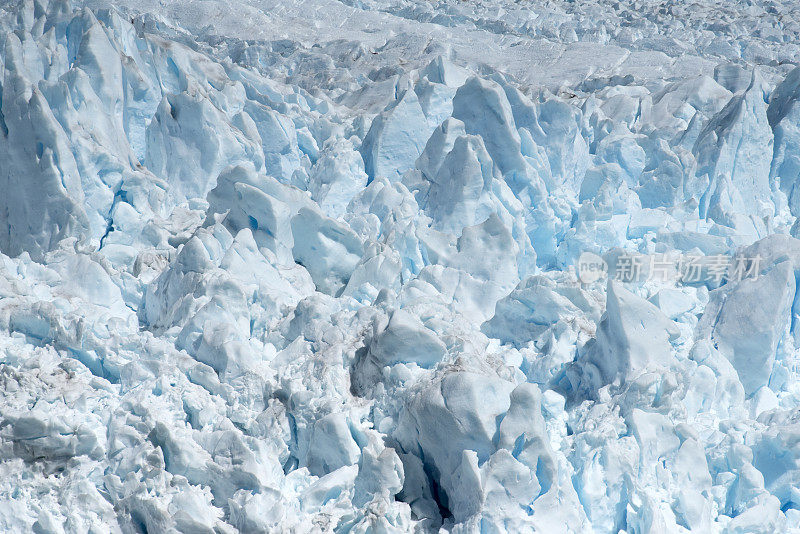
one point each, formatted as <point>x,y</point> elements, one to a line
<point>316,266</point>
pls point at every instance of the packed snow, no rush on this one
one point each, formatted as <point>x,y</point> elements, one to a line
<point>388,266</point>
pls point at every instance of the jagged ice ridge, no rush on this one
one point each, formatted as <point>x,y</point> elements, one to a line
<point>259,278</point>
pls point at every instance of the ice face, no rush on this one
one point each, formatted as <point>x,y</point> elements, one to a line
<point>259,278</point>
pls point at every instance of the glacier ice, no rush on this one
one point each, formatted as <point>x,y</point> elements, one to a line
<point>272,266</point>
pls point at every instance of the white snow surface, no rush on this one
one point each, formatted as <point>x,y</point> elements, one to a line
<point>277,266</point>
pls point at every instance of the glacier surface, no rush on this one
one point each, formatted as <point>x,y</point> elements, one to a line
<point>319,266</point>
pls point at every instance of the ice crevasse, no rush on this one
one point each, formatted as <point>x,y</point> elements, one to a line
<point>238,297</point>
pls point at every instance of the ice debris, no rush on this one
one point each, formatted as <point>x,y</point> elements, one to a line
<point>267,286</point>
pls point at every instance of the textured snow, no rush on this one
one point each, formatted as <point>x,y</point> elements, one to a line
<point>310,266</point>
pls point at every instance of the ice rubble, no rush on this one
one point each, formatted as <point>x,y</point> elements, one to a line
<point>257,286</point>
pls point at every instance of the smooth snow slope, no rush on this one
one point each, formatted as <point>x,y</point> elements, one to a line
<point>311,267</point>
